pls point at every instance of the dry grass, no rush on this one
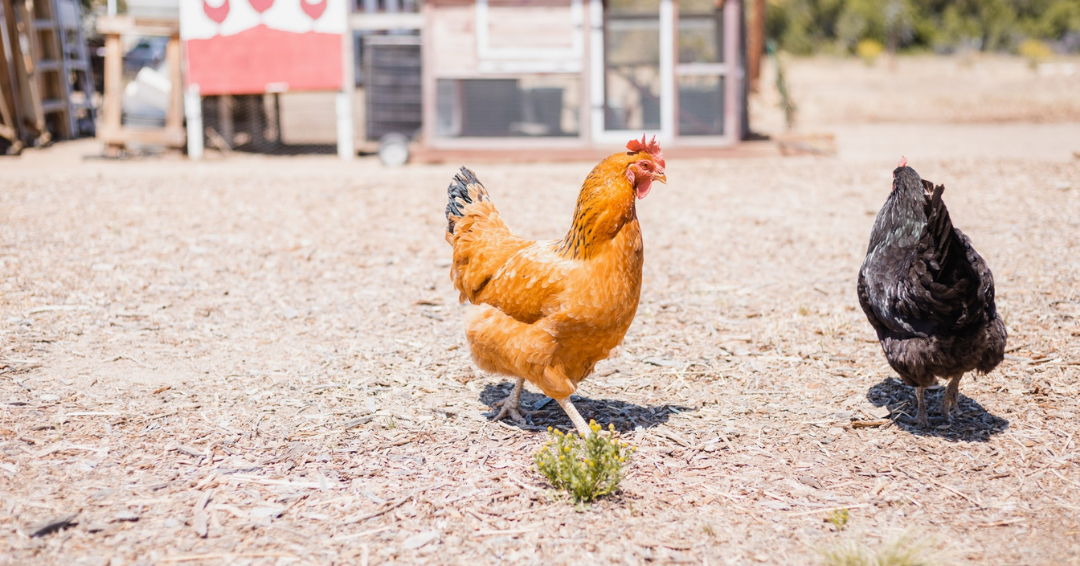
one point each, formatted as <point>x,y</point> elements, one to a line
<point>263,359</point>
<point>900,551</point>
<point>962,89</point>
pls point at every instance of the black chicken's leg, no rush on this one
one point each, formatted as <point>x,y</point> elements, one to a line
<point>921,418</point>
<point>949,403</point>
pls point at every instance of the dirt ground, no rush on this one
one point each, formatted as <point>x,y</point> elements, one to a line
<point>261,360</point>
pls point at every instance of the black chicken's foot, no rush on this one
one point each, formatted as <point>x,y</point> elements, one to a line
<point>949,402</point>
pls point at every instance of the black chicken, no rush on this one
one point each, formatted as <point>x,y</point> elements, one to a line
<point>928,293</point>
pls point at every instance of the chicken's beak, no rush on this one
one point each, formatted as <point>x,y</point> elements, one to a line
<point>660,177</point>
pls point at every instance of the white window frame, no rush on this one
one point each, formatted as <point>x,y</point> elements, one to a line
<point>667,77</point>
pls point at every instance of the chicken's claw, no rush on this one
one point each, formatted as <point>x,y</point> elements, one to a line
<point>508,410</point>
<point>509,406</point>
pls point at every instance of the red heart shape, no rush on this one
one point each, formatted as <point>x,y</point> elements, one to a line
<point>313,10</point>
<point>261,5</point>
<point>217,14</point>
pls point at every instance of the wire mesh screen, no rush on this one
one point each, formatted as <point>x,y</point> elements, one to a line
<point>253,124</point>
<point>529,106</point>
<point>701,47</point>
<point>394,97</point>
<point>701,105</point>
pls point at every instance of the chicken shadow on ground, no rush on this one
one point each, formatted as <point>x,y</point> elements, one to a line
<point>973,424</point>
<point>624,416</point>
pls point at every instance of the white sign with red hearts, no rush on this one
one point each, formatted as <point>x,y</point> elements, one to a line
<point>203,19</point>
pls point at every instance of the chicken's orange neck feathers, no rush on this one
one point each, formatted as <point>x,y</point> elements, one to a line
<point>605,205</point>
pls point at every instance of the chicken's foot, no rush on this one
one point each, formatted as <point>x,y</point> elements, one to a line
<point>575,417</point>
<point>509,406</point>
<point>950,403</point>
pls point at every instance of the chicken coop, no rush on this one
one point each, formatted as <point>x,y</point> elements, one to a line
<point>513,77</point>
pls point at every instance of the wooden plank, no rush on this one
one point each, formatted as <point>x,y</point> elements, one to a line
<point>29,88</point>
<point>128,25</point>
<point>452,31</point>
<point>495,152</point>
<point>427,80</point>
<point>171,137</point>
<point>377,21</point>
<point>8,120</point>
<point>755,44</point>
<point>174,117</point>
<point>733,99</point>
<point>113,87</point>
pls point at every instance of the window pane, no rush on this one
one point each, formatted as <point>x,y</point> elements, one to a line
<point>632,65</point>
<point>701,106</point>
<point>527,106</point>
<point>701,32</point>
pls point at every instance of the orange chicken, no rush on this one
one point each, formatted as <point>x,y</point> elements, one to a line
<point>547,311</point>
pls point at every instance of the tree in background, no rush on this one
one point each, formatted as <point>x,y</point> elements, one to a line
<point>837,26</point>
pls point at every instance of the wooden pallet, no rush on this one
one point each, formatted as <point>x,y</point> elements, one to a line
<point>112,132</point>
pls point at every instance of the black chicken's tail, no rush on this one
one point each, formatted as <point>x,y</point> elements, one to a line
<point>464,190</point>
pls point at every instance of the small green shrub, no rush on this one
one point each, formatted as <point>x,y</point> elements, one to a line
<point>869,50</point>
<point>898,552</point>
<point>584,468</point>
<point>838,518</point>
<point>1035,52</point>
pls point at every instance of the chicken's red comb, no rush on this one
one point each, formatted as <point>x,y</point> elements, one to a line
<point>651,147</point>
<point>903,162</point>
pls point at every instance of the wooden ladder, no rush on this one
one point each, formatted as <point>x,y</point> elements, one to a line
<point>10,113</point>
<point>61,70</point>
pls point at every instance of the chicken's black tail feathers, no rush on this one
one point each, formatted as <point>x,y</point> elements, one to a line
<point>463,190</point>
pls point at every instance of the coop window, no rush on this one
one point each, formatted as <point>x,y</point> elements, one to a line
<point>701,105</point>
<point>701,32</point>
<point>632,81</point>
<point>527,106</point>
<point>702,68</point>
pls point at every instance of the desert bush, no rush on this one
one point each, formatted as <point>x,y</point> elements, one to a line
<point>869,50</point>
<point>1035,52</point>
<point>585,468</point>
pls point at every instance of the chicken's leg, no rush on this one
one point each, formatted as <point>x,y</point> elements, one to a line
<point>510,404</point>
<point>920,418</point>
<point>575,417</point>
<point>949,402</point>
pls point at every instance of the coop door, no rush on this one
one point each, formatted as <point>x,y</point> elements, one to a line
<point>633,66</point>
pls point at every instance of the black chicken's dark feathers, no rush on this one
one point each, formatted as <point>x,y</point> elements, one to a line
<point>926,291</point>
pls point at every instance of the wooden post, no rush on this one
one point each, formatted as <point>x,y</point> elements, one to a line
<point>114,61</point>
<point>193,111</point>
<point>174,116</point>
<point>755,44</point>
<point>732,84</point>
<point>345,142</point>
